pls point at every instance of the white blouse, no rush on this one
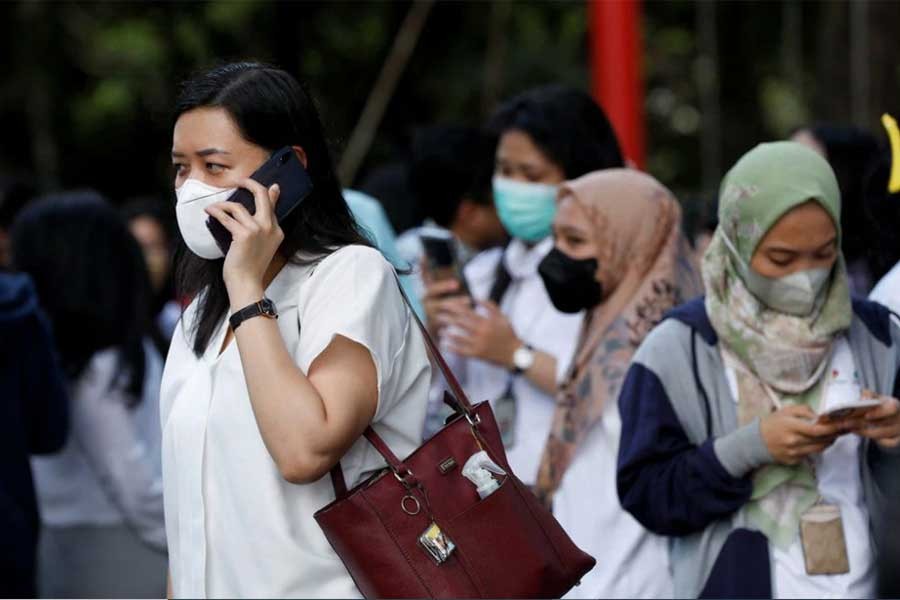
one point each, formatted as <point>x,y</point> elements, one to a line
<point>631,561</point>
<point>236,528</point>
<point>109,471</point>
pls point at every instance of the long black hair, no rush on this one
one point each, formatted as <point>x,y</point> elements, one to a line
<point>90,277</point>
<point>450,163</point>
<point>566,124</point>
<point>272,110</point>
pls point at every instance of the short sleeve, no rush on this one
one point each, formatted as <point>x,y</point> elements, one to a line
<point>354,293</point>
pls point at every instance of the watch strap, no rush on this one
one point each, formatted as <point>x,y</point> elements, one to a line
<point>264,307</point>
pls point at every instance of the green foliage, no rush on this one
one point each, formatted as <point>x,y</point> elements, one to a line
<point>87,95</point>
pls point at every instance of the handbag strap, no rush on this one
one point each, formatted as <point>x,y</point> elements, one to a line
<point>337,481</point>
<point>437,357</point>
<point>400,470</point>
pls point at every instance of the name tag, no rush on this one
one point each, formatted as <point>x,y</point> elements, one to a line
<point>824,544</point>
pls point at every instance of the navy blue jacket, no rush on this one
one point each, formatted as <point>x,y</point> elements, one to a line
<point>676,488</point>
<point>33,420</point>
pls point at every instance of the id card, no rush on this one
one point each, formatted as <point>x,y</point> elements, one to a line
<point>824,544</point>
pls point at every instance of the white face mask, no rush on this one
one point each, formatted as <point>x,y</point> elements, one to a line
<point>795,294</point>
<point>193,198</point>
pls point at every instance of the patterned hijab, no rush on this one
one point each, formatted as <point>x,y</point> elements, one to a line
<point>645,268</point>
<point>778,359</point>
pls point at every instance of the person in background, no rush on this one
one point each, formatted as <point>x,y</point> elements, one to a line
<point>511,348</point>
<point>151,223</point>
<point>722,446</point>
<point>619,255</point>
<point>450,177</point>
<point>852,154</point>
<point>374,224</point>
<point>889,558</point>
<point>101,496</point>
<point>883,203</point>
<point>14,194</point>
<point>33,420</point>
<point>889,543</point>
<point>389,184</point>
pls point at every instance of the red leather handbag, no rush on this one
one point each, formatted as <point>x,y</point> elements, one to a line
<point>419,529</point>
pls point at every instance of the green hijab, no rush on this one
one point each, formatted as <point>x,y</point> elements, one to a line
<point>778,359</point>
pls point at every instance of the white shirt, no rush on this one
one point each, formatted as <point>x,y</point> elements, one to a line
<point>887,291</point>
<point>631,561</point>
<point>536,322</point>
<point>236,527</point>
<point>109,471</point>
<point>839,483</point>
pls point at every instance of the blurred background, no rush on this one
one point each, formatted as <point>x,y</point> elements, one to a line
<point>87,88</point>
<point>86,101</point>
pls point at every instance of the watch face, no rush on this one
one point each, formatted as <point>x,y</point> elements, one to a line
<point>523,358</point>
<point>268,307</point>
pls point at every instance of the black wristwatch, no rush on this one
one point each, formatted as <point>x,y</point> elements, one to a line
<point>264,307</point>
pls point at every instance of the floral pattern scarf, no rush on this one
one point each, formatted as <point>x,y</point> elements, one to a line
<point>646,267</point>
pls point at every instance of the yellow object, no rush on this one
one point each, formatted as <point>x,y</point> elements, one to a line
<point>890,124</point>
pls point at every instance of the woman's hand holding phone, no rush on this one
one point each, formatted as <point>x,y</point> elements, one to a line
<point>793,432</point>
<point>486,334</point>
<point>882,423</point>
<point>255,240</point>
<point>439,294</point>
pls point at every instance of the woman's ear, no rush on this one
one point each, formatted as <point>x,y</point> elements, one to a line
<point>301,156</point>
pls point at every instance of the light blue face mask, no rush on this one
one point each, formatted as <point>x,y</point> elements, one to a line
<point>525,209</point>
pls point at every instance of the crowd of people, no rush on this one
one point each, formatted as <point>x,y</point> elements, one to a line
<point>709,415</point>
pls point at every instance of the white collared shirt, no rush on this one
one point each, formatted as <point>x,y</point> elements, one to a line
<point>537,323</point>
<point>236,528</point>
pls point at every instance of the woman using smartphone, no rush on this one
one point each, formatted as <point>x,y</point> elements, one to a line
<point>723,446</point>
<point>513,344</point>
<point>256,411</point>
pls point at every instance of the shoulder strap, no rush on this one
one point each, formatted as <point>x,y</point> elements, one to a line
<point>437,357</point>
<point>502,280</point>
<point>462,404</point>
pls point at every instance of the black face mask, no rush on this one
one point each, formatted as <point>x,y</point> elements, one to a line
<point>570,283</point>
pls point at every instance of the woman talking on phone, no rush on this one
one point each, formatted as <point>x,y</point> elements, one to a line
<point>760,425</point>
<point>256,410</point>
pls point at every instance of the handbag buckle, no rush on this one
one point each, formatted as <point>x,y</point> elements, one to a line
<point>408,479</point>
<point>473,419</point>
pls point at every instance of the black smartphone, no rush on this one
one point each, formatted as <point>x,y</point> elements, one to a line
<point>283,168</point>
<point>441,259</point>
